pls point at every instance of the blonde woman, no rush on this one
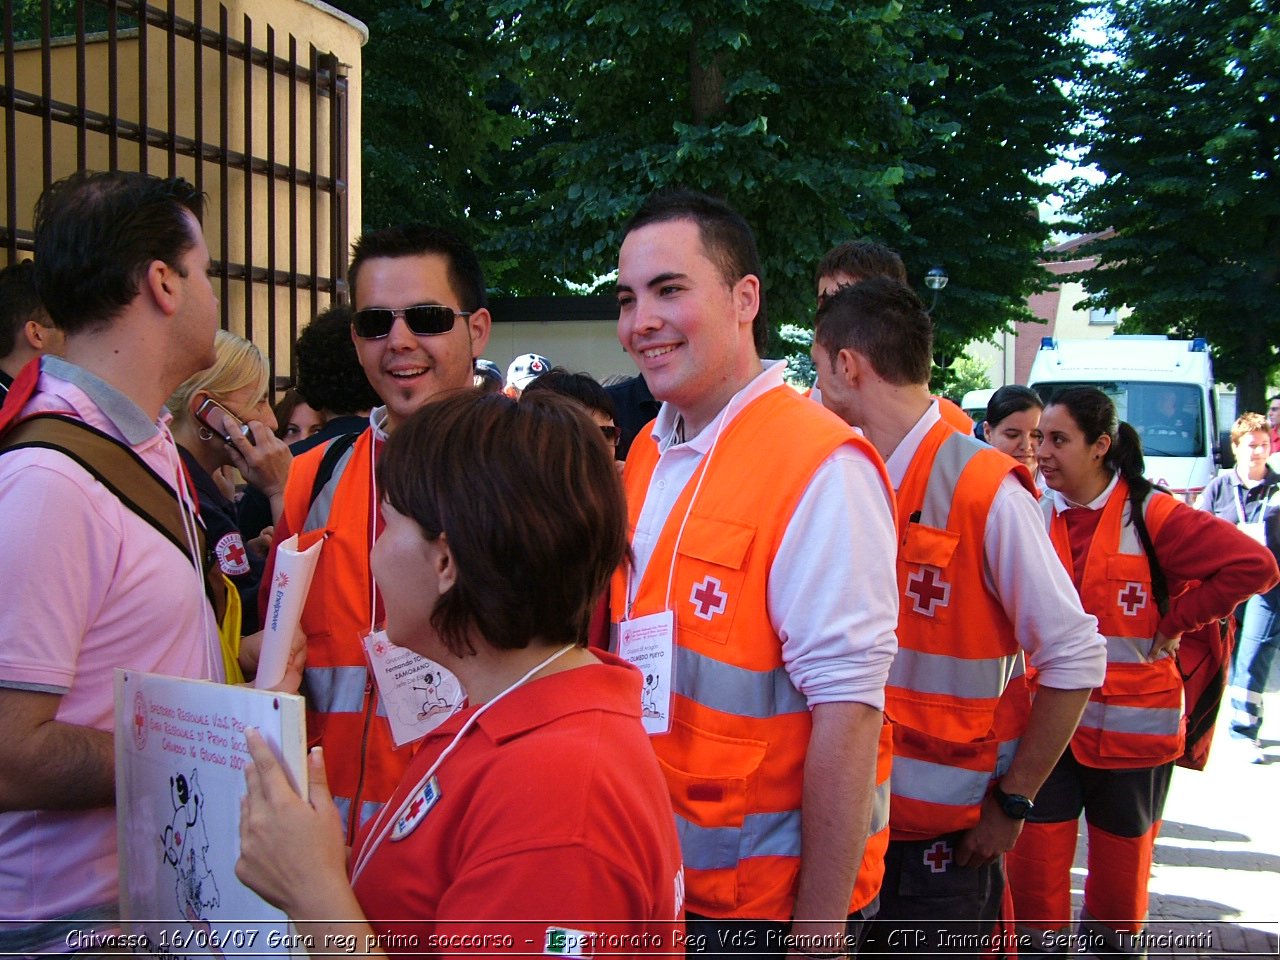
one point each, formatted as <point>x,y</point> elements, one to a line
<point>209,441</point>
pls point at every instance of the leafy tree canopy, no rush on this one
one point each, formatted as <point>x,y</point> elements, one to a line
<point>1185,124</point>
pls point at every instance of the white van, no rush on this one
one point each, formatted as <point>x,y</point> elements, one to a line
<point>1162,387</point>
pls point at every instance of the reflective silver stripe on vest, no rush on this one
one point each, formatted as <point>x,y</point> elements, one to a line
<point>879,809</point>
<point>318,515</point>
<point>1127,649</point>
<point>937,782</point>
<point>721,848</point>
<point>953,456</point>
<point>1152,721</point>
<point>954,676</point>
<point>367,809</point>
<point>758,694</point>
<point>336,689</point>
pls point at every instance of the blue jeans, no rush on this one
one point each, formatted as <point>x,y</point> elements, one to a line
<point>1251,662</point>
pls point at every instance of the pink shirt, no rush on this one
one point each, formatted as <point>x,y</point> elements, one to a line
<point>88,586</point>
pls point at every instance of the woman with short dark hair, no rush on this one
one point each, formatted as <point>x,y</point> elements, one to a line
<point>540,803</point>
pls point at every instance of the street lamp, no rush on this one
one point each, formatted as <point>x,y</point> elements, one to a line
<point>935,280</point>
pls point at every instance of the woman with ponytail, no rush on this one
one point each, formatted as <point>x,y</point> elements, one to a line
<point>1150,569</point>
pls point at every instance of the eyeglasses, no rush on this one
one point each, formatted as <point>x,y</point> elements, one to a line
<point>612,434</point>
<point>425,320</point>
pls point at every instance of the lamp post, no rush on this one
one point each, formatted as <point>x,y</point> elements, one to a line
<point>935,280</point>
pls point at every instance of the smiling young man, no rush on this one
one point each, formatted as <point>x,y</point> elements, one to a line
<point>420,319</point>
<point>761,593</point>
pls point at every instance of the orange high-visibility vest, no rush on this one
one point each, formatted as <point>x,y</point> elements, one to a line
<point>734,758</point>
<point>957,693</point>
<point>1135,719</point>
<point>344,713</point>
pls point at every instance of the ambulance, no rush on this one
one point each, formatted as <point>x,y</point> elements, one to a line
<point>1163,388</point>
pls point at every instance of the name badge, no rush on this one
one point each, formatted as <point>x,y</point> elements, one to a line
<point>418,694</point>
<point>649,643</point>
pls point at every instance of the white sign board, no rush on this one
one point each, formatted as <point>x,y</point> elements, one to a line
<point>180,758</point>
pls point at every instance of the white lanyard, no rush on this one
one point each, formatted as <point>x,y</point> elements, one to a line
<point>705,467</point>
<point>378,833</point>
<point>373,526</point>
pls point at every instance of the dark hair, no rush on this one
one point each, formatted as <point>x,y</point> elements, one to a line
<point>883,320</point>
<point>577,386</point>
<point>418,239</point>
<point>1010,399</point>
<point>1271,400</point>
<point>1095,414</point>
<point>726,239</point>
<point>96,235</point>
<point>532,507</point>
<point>861,260</point>
<point>330,376</point>
<point>19,303</point>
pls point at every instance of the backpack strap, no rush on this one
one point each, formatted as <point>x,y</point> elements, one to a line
<point>127,476</point>
<point>329,462</point>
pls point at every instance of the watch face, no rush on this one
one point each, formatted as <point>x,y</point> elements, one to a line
<point>1014,805</point>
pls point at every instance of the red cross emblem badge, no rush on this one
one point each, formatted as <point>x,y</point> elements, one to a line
<point>231,556</point>
<point>707,598</point>
<point>1133,598</point>
<point>928,590</point>
<point>417,810</point>
<point>937,857</point>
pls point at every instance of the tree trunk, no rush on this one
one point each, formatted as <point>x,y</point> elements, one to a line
<point>706,81</point>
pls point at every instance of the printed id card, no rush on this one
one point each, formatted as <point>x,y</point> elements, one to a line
<point>418,694</point>
<point>649,643</point>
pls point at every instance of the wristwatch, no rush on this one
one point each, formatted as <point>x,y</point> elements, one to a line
<point>1014,805</point>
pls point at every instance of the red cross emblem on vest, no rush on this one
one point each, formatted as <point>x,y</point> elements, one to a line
<point>1133,598</point>
<point>707,598</point>
<point>937,857</point>
<point>927,590</point>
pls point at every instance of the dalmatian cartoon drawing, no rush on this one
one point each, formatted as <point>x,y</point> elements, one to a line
<point>186,843</point>
<point>433,701</point>
<point>649,696</point>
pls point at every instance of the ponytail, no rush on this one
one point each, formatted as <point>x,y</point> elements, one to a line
<point>1125,457</point>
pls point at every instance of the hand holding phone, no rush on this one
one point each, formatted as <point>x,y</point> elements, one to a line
<point>214,416</point>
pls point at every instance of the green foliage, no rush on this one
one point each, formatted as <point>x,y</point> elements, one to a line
<point>537,126</point>
<point>1003,118</point>
<point>28,16</point>
<point>1185,128</point>
<point>796,342</point>
<point>959,378</point>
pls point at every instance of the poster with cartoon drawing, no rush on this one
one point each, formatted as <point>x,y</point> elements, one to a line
<point>180,758</point>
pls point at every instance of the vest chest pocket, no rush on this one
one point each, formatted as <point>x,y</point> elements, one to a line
<point>1131,599</point>
<point>711,574</point>
<point>925,581</point>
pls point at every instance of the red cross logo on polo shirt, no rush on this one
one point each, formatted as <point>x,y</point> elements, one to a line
<point>1133,598</point>
<point>708,598</point>
<point>937,857</point>
<point>236,553</point>
<point>927,590</point>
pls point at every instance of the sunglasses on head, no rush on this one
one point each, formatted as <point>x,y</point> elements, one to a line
<point>425,320</point>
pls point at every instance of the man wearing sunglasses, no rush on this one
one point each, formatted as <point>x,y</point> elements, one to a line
<point>419,320</point>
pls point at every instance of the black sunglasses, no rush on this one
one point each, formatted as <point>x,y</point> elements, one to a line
<point>426,320</point>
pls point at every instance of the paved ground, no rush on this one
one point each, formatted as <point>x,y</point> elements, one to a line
<point>1215,888</point>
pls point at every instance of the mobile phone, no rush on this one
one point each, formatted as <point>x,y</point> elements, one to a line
<point>222,421</point>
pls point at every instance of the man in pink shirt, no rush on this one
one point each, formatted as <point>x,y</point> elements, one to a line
<point>122,267</point>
